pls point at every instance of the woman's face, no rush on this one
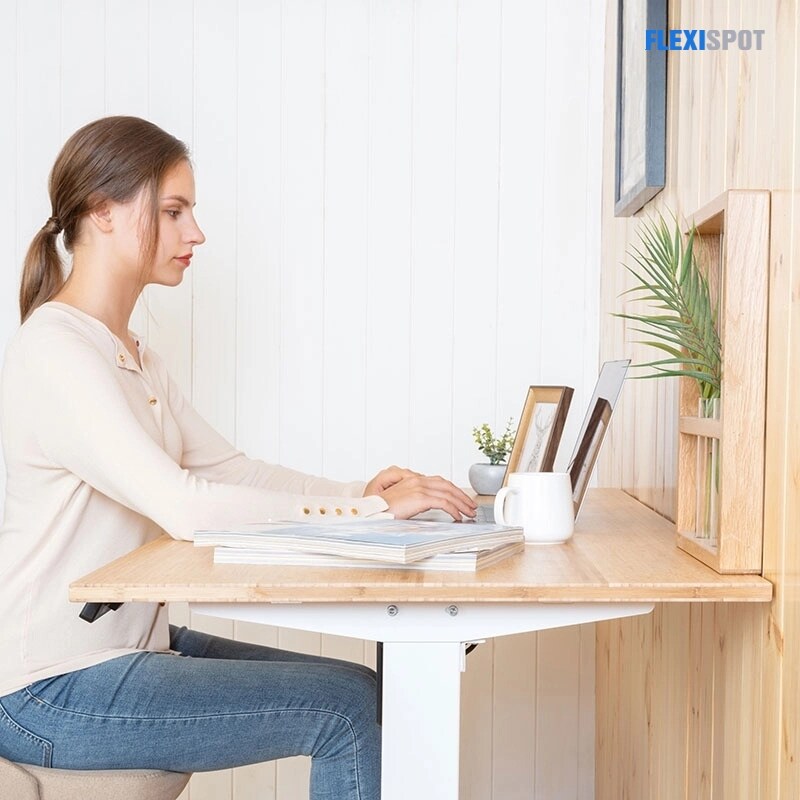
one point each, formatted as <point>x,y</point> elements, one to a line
<point>178,232</point>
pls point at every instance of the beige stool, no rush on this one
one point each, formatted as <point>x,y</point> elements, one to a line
<point>26,782</point>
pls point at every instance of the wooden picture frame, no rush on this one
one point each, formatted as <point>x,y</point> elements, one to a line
<point>539,432</point>
<point>580,471</point>
<point>641,135</point>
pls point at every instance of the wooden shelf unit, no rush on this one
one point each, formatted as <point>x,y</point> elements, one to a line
<point>734,253</point>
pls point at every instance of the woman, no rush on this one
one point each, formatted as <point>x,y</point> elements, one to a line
<point>103,453</point>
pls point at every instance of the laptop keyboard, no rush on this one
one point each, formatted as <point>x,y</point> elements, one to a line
<point>484,514</point>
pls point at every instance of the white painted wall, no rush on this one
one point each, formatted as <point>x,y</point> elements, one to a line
<point>401,201</point>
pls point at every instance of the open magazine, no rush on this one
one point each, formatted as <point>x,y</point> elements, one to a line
<point>387,540</point>
<point>463,561</point>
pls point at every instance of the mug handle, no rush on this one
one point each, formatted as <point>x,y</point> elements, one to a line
<point>499,504</point>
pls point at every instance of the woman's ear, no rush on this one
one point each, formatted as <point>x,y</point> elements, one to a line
<point>100,217</point>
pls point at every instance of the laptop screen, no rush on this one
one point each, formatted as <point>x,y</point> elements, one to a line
<point>595,423</point>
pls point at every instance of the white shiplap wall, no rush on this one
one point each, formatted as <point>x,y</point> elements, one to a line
<point>401,201</point>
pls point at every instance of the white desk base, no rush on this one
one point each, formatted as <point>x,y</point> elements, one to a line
<point>423,657</point>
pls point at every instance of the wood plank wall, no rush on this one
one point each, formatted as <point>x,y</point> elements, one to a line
<point>702,702</point>
<point>401,201</point>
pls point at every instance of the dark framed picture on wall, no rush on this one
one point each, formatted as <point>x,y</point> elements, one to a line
<point>641,140</point>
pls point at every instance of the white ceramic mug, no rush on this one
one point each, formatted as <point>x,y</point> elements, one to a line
<point>540,503</point>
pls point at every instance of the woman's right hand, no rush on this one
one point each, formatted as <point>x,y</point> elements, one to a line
<point>418,493</point>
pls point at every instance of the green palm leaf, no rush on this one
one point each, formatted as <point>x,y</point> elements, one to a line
<point>669,280</point>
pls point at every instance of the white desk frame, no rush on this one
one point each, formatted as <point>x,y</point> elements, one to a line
<point>423,658</point>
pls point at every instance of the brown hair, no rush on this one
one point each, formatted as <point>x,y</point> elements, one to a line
<point>110,159</point>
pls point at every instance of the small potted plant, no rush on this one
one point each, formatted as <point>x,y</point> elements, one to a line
<point>488,478</point>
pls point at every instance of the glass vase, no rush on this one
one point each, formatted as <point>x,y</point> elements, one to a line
<point>708,471</point>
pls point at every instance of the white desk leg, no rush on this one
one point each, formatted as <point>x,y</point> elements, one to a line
<point>421,713</point>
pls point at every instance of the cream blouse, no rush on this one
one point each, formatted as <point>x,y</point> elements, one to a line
<point>101,457</point>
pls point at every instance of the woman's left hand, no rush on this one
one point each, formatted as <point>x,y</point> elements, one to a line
<point>386,478</point>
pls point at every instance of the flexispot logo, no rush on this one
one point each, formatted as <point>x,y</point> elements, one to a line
<point>702,39</point>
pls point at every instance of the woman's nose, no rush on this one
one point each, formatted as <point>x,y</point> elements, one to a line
<point>196,235</point>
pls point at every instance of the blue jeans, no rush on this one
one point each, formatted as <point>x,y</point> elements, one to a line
<point>219,704</point>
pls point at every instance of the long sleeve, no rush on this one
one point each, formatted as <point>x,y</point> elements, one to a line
<point>89,423</point>
<point>207,454</point>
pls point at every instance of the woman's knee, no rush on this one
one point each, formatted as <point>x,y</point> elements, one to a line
<point>350,714</point>
<point>356,687</point>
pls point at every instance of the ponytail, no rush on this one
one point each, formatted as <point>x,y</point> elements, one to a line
<point>42,275</point>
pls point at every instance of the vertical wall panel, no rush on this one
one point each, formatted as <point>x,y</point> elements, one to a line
<point>476,209</point>
<point>779,447</point>
<point>714,79</point>
<point>520,206</point>
<point>557,712</point>
<point>564,255</point>
<point>693,91</point>
<point>432,244</point>
<point>739,100</point>
<point>785,489</point>
<point>258,318</point>
<point>477,724</point>
<point>10,254</point>
<point>302,175</point>
<point>586,712</point>
<point>514,730</point>
<point>388,356</point>
<point>83,43</point>
<point>171,51</point>
<point>700,705</point>
<point>345,238</point>
<point>785,27</point>
<point>127,58</point>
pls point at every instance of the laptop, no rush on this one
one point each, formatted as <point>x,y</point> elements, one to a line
<point>595,424</point>
<point>590,437</point>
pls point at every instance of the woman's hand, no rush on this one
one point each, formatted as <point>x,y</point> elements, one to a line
<point>386,478</point>
<point>417,493</point>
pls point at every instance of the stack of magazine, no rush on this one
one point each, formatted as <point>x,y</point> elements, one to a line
<point>381,544</point>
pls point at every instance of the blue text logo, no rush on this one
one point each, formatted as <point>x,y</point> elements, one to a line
<point>702,39</point>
